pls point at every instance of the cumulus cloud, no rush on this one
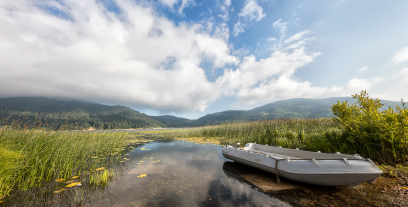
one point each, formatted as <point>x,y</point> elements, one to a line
<point>401,56</point>
<point>273,78</point>
<point>137,58</point>
<point>142,59</point>
<point>252,11</point>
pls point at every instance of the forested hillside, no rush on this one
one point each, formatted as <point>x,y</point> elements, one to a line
<point>72,113</point>
<point>292,108</point>
<point>79,114</point>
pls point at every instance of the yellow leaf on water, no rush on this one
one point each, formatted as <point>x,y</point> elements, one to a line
<point>139,163</point>
<point>59,180</point>
<point>142,176</point>
<point>152,158</point>
<point>69,181</point>
<point>142,148</point>
<point>147,149</point>
<point>75,177</point>
<point>122,161</point>
<point>127,154</point>
<point>101,168</point>
<point>404,187</point>
<point>59,191</point>
<point>73,184</point>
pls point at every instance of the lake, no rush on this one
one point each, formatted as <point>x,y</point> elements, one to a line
<point>180,173</point>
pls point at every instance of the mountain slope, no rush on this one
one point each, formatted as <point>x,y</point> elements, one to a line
<point>291,108</point>
<point>173,121</point>
<point>78,113</point>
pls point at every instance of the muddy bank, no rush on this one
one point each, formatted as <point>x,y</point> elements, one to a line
<point>387,191</point>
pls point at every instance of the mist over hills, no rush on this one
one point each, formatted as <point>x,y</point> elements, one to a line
<point>85,114</point>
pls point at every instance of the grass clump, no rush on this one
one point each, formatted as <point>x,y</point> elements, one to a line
<point>30,157</point>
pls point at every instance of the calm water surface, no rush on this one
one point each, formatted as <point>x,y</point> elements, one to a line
<point>177,174</point>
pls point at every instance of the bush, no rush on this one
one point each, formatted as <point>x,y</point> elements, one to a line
<point>382,136</point>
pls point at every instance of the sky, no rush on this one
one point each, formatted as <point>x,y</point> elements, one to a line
<point>189,58</point>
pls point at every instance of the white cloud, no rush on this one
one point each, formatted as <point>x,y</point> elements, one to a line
<point>184,4</point>
<point>252,11</point>
<point>142,59</point>
<point>171,4</point>
<point>401,56</point>
<point>281,63</point>
<point>279,24</point>
<point>271,39</point>
<point>139,59</point>
<point>238,28</point>
<point>403,74</point>
<point>296,36</point>
<point>364,68</point>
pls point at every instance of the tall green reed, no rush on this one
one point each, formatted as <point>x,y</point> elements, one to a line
<point>40,155</point>
<point>323,134</point>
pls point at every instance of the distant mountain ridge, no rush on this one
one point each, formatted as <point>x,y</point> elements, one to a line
<point>86,114</point>
<point>78,113</point>
<point>291,108</point>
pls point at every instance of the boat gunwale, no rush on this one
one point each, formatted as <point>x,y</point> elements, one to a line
<point>311,173</point>
<point>288,150</point>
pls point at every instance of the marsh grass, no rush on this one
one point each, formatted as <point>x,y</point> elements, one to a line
<point>309,134</point>
<point>30,157</point>
<point>325,135</point>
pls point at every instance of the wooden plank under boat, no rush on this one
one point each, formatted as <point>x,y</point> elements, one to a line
<point>304,166</point>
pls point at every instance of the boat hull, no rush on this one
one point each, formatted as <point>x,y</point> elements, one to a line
<point>344,173</point>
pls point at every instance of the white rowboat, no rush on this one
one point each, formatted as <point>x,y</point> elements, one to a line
<point>304,166</point>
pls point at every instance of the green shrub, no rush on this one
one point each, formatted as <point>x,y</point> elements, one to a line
<point>382,136</point>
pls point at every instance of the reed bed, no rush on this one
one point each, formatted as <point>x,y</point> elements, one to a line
<point>309,134</point>
<point>30,157</point>
<point>323,134</point>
